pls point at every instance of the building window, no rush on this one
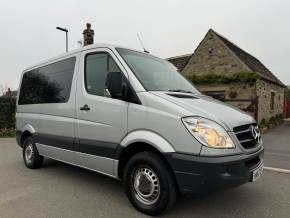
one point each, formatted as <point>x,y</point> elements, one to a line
<point>272,100</point>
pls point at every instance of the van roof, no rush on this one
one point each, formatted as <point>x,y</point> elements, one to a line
<point>88,47</point>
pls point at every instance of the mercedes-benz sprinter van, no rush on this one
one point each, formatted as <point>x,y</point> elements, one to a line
<point>131,116</point>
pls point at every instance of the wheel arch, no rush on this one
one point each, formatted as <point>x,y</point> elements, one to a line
<point>23,136</point>
<point>139,141</point>
<point>131,150</point>
<point>147,137</point>
<point>27,131</point>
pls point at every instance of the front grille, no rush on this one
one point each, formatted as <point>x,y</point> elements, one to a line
<point>245,135</point>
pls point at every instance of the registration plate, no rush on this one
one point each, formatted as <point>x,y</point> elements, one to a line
<point>257,173</point>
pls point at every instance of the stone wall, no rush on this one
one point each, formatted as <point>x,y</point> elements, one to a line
<point>240,95</point>
<point>212,56</point>
<point>264,90</point>
<point>246,94</point>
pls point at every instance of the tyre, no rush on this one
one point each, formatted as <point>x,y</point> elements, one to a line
<point>149,184</point>
<point>31,157</point>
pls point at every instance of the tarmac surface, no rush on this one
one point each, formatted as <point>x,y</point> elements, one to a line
<point>277,147</point>
<point>60,190</point>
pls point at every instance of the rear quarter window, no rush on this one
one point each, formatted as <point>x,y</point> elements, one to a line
<point>48,84</point>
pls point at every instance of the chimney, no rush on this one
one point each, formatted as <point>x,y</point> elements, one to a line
<point>8,93</point>
<point>88,35</point>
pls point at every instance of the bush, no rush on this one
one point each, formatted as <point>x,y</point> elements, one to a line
<point>263,123</point>
<point>272,121</point>
<point>224,79</point>
<point>276,120</point>
<point>279,118</point>
<point>5,132</point>
<point>7,112</point>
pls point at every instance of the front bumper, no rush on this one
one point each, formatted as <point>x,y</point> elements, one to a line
<point>198,174</point>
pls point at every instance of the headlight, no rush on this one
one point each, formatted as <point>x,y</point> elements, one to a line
<point>208,132</point>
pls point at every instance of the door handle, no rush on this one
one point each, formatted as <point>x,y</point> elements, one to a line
<point>85,108</point>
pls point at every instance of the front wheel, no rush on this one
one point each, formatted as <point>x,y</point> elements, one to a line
<point>149,184</point>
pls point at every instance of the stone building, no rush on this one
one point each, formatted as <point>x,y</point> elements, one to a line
<point>221,69</point>
<point>287,102</point>
<point>10,94</point>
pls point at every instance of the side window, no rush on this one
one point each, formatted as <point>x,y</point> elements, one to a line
<point>48,84</point>
<point>103,77</point>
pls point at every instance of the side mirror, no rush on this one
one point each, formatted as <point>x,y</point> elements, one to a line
<point>125,91</point>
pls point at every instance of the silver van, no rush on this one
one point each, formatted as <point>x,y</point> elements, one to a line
<point>131,116</point>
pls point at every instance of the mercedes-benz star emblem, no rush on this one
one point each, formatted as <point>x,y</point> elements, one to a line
<point>256,134</point>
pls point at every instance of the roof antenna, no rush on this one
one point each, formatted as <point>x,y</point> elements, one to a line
<point>142,43</point>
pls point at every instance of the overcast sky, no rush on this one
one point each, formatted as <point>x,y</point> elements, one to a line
<point>167,27</point>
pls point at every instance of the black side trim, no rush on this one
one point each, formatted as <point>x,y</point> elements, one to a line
<point>55,141</point>
<point>104,149</point>
<point>118,152</point>
<point>92,147</point>
<point>18,137</point>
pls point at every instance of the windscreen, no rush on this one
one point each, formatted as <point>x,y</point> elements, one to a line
<point>154,73</point>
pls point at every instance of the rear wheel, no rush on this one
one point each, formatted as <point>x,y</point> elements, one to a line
<point>149,184</point>
<point>31,157</point>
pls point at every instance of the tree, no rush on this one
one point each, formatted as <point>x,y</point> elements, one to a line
<point>3,89</point>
